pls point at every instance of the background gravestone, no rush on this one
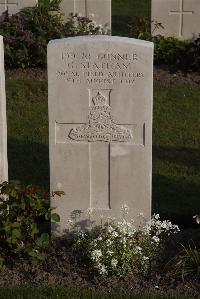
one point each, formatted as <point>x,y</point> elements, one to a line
<point>14,6</point>
<point>100,126</point>
<point>180,18</point>
<point>97,10</point>
<point>3,126</point>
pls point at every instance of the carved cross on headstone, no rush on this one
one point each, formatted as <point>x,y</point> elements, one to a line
<point>7,4</point>
<point>100,133</point>
<point>181,12</point>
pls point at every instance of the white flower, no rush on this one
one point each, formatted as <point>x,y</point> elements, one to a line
<point>138,248</point>
<point>96,254</point>
<point>124,240</point>
<point>125,208</point>
<point>155,239</point>
<point>197,218</point>
<point>156,216</point>
<point>89,211</point>
<point>110,229</point>
<point>145,258</point>
<point>108,242</point>
<point>115,234</point>
<point>114,263</point>
<point>102,269</point>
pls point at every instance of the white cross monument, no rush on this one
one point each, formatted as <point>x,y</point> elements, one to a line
<point>181,12</point>
<point>180,18</point>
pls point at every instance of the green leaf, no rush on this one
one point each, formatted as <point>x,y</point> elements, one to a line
<point>16,224</point>
<point>13,193</point>
<point>36,257</point>
<point>16,233</point>
<point>43,240</point>
<point>34,229</point>
<point>47,216</point>
<point>34,261</point>
<point>55,217</point>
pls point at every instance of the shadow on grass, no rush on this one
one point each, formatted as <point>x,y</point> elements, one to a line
<point>189,157</point>
<point>175,197</point>
<point>176,194</point>
<point>28,162</point>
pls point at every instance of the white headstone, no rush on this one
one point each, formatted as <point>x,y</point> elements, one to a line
<point>180,18</point>
<point>100,126</point>
<point>14,6</point>
<point>97,10</point>
<point>3,126</point>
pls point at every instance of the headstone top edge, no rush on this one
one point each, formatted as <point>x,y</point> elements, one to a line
<point>90,38</point>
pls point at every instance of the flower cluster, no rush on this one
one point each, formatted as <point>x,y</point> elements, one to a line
<point>27,33</point>
<point>78,25</point>
<point>119,247</point>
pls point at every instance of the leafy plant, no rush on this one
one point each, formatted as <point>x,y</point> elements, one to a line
<point>21,208</point>
<point>27,33</point>
<point>77,25</point>
<point>167,50</point>
<point>191,59</point>
<point>118,247</point>
<point>141,28</point>
<point>187,263</point>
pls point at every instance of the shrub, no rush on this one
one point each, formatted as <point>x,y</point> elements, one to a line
<point>141,28</point>
<point>167,50</point>
<point>118,248</point>
<point>21,207</point>
<point>27,33</point>
<point>191,59</point>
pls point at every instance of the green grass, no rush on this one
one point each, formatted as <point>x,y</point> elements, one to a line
<point>27,115</point>
<point>63,293</point>
<point>176,137</point>
<point>124,10</point>
<point>176,152</point>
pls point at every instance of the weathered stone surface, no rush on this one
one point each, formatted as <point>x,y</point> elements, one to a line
<point>3,126</point>
<point>180,18</point>
<point>100,126</point>
<point>14,6</point>
<point>97,10</point>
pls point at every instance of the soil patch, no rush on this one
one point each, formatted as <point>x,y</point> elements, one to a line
<point>163,74</point>
<point>167,76</point>
<point>64,267</point>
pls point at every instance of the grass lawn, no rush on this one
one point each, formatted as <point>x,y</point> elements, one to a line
<point>124,10</point>
<point>62,293</point>
<point>176,153</point>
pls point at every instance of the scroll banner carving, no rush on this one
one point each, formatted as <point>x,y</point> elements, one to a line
<point>100,126</point>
